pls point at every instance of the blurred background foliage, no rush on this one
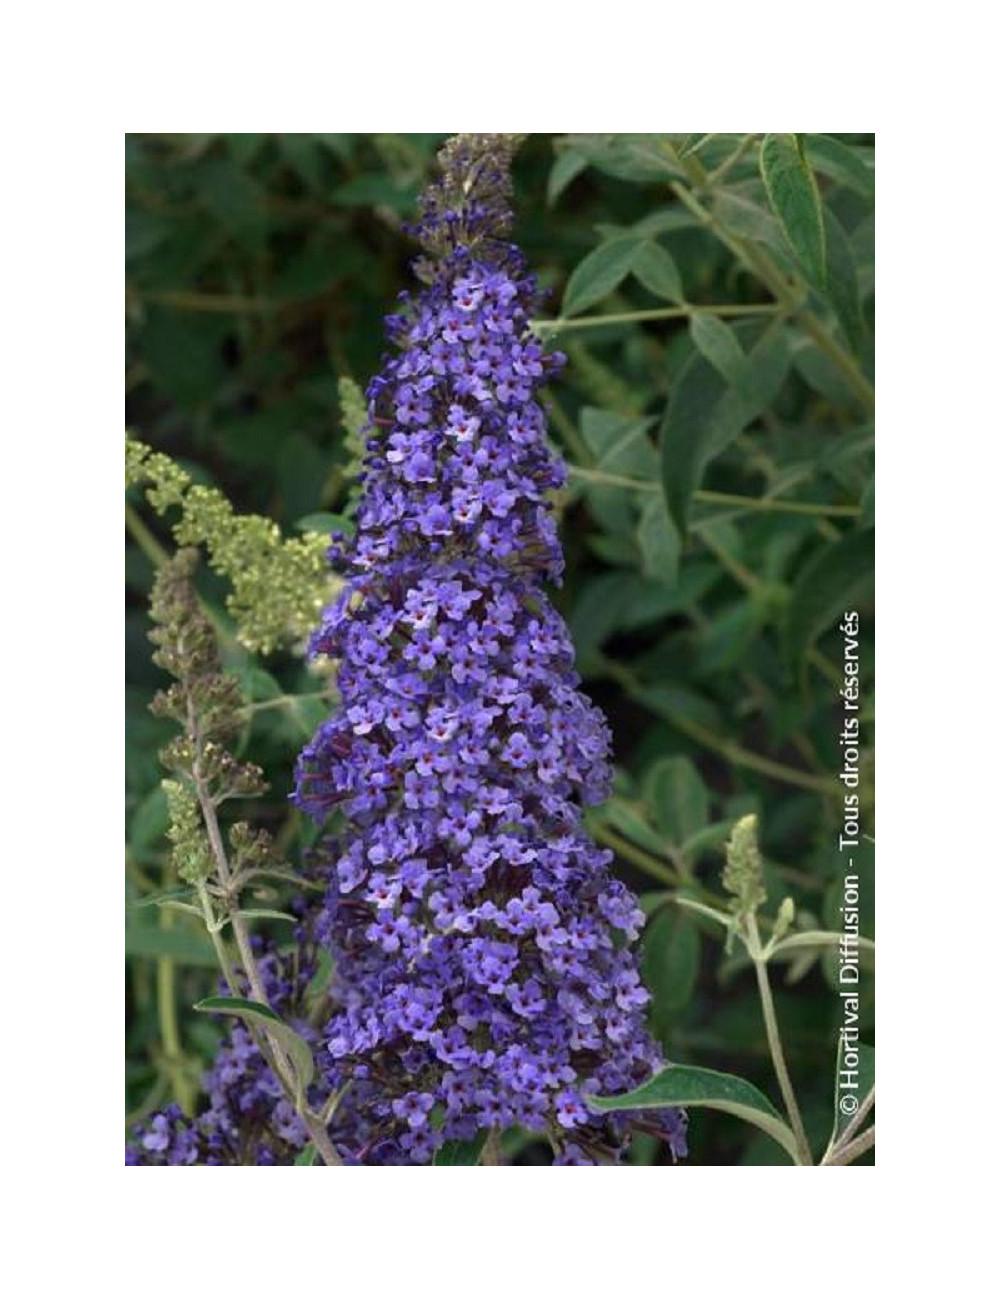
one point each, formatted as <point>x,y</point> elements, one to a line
<point>716,412</point>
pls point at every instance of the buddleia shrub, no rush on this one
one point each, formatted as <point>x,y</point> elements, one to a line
<point>704,306</point>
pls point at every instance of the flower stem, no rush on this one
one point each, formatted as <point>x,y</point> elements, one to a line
<point>716,177</point>
<point>836,1143</point>
<point>561,325</point>
<point>774,1041</point>
<point>728,749</point>
<point>848,1153</point>
<point>281,701</point>
<point>143,538</point>
<point>157,555</point>
<point>491,1151</point>
<point>166,1007</point>
<point>776,504</point>
<point>275,1054</point>
<point>638,857</point>
<point>705,497</point>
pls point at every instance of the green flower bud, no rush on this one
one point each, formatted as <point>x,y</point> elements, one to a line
<point>783,921</point>
<point>191,856</point>
<point>278,586</point>
<point>743,876</point>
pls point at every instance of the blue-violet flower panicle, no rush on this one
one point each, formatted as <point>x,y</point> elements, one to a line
<point>483,972</point>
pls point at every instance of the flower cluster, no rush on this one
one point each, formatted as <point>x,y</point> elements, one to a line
<point>482,973</point>
<point>278,584</point>
<point>248,1120</point>
<point>480,942</point>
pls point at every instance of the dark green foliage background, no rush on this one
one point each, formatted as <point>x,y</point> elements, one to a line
<point>258,271</point>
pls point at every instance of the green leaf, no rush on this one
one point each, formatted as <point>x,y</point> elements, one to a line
<point>265,914</point>
<point>339,144</point>
<point>762,375</point>
<point>794,195</point>
<point>691,427</point>
<point>307,1156</point>
<point>618,602</point>
<point>598,274</point>
<point>673,702</point>
<point>244,147</point>
<point>373,189</point>
<point>691,144</point>
<point>149,826</point>
<point>174,905</point>
<point>837,579</point>
<point>302,155</point>
<point>704,415</point>
<point>842,289</point>
<point>619,443</point>
<point>160,900</point>
<point>653,901</point>
<point>462,1153</point>
<point>237,201</point>
<point>863,1077</point>
<point>761,1150</point>
<point>659,542</point>
<point>623,817</point>
<point>677,797</point>
<point>144,231</point>
<point>323,522</point>
<point>709,837</point>
<point>184,353</point>
<point>627,157</point>
<point>688,1085</point>
<point>664,221</point>
<point>309,713</point>
<point>746,214</point>
<point>842,164</point>
<point>182,946</point>
<point>565,169</point>
<point>671,947</point>
<point>718,344</point>
<point>256,683</point>
<point>299,1051</point>
<point>724,642</point>
<point>657,271</point>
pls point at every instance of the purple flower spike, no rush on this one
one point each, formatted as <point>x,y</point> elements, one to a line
<point>476,930</point>
<point>482,973</point>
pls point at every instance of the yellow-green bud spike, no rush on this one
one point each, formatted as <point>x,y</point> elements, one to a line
<point>743,876</point>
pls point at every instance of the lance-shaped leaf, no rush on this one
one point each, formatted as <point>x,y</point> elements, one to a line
<point>704,415</point>
<point>256,1013</point>
<point>566,168</point>
<point>842,290</point>
<point>794,195</point>
<point>657,271</point>
<point>671,948</point>
<point>678,797</point>
<point>834,580</point>
<point>181,946</point>
<point>842,163</point>
<point>688,1085</point>
<point>718,344</point>
<point>599,273</point>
